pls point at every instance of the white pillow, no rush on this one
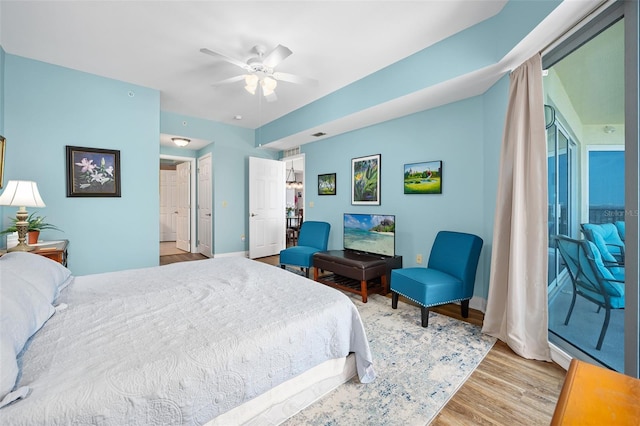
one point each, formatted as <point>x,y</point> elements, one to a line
<point>9,363</point>
<point>47,275</point>
<point>23,310</point>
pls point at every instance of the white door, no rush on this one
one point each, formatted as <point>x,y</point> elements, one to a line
<point>205,222</point>
<point>183,226</point>
<point>266,207</point>
<point>168,205</point>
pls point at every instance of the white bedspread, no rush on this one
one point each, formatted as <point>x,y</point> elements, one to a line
<point>181,343</point>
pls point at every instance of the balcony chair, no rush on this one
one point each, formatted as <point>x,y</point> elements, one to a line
<point>313,237</point>
<point>621,229</point>
<point>591,279</point>
<point>450,274</point>
<point>607,239</point>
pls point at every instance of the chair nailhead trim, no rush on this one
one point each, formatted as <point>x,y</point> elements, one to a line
<point>427,306</point>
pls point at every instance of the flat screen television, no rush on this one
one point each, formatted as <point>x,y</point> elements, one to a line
<point>370,233</point>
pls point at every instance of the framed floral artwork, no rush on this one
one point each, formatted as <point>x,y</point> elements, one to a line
<point>365,180</point>
<point>327,184</point>
<point>93,172</point>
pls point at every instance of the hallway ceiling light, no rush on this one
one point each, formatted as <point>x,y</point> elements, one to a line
<point>291,174</point>
<point>181,141</point>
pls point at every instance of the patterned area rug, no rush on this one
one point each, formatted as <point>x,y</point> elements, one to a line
<point>418,369</point>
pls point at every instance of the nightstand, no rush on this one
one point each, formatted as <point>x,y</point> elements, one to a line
<point>54,250</point>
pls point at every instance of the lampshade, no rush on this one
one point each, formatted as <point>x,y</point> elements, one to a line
<point>21,193</point>
<point>251,81</point>
<point>181,141</point>
<point>268,85</point>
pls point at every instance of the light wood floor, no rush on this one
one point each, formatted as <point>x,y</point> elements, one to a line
<point>505,389</point>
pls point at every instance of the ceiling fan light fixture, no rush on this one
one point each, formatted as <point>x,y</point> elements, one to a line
<point>268,85</point>
<point>181,141</point>
<point>251,81</point>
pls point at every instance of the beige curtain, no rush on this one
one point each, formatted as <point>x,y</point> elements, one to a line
<point>517,305</point>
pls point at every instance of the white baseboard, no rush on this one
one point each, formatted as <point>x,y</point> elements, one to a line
<point>559,356</point>
<point>232,254</point>
<point>478,303</point>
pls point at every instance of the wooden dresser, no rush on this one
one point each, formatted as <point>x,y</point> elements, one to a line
<point>594,395</point>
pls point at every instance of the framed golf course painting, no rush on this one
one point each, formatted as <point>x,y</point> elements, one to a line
<point>423,178</point>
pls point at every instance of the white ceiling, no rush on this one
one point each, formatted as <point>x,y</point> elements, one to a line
<point>157,44</point>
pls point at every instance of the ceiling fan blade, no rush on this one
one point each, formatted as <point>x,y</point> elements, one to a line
<point>277,55</point>
<point>226,58</point>
<point>291,78</point>
<point>229,80</point>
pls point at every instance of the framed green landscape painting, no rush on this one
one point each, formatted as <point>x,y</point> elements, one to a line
<point>423,178</point>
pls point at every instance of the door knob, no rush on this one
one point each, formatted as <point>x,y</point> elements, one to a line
<point>253,214</point>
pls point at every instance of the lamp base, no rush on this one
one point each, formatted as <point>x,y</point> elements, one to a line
<point>21,247</point>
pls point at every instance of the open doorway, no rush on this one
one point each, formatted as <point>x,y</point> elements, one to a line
<point>177,218</point>
<point>294,198</point>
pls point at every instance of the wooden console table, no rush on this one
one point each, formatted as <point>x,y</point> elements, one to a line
<point>358,273</point>
<point>594,395</point>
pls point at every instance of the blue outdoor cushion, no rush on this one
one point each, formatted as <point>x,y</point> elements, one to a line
<point>621,229</point>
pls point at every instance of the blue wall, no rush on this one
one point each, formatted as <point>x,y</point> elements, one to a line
<point>230,149</point>
<point>48,107</point>
<point>460,134</point>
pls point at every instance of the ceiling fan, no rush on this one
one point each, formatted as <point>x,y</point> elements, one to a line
<point>260,71</point>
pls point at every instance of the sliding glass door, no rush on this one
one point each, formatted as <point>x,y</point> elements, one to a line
<point>589,183</point>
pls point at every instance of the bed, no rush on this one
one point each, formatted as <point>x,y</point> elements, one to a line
<point>216,341</point>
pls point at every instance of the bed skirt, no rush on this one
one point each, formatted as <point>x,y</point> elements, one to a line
<point>288,398</point>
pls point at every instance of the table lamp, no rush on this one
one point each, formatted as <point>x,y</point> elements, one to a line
<point>21,193</point>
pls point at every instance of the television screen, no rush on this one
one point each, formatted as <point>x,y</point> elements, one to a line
<point>370,233</point>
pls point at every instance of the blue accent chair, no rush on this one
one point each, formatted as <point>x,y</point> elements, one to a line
<point>449,276</point>
<point>591,279</point>
<point>606,237</point>
<point>313,237</point>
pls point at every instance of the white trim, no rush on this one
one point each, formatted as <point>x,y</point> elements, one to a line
<point>478,303</point>
<point>210,206</point>
<point>194,221</point>
<point>559,356</point>
<point>577,27</point>
<point>232,254</point>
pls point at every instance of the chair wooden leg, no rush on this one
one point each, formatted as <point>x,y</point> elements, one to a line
<point>464,308</point>
<point>424,314</point>
<point>394,300</point>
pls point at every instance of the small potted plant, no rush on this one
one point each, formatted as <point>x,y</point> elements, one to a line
<point>36,224</point>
